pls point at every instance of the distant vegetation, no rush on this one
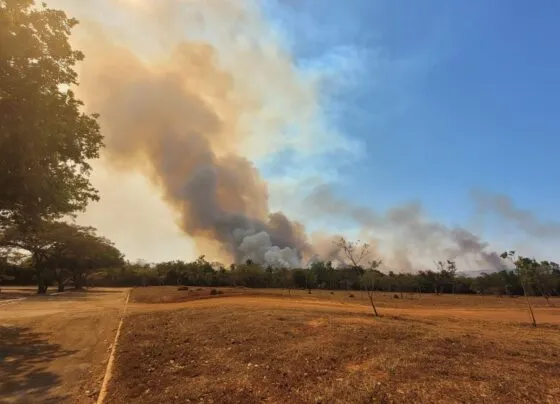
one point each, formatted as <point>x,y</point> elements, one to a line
<point>539,277</point>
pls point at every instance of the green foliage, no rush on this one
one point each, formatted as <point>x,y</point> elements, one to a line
<point>45,138</point>
<point>61,250</point>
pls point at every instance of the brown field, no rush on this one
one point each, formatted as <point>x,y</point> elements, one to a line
<point>278,346</point>
<point>327,348</point>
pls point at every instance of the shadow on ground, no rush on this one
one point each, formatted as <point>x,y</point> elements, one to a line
<point>24,359</point>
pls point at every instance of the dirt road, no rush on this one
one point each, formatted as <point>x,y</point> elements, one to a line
<point>54,349</point>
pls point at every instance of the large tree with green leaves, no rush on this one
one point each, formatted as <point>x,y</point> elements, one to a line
<point>62,251</point>
<point>46,140</point>
<point>76,252</point>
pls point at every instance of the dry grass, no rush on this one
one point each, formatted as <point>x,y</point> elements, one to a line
<point>304,350</point>
<point>170,294</point>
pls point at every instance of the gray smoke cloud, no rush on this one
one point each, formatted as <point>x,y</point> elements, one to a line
<point>504,208</point>
<point>408,237</point>
<point>179,120</point>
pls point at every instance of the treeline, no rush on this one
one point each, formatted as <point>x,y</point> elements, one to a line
<point>541,278</point>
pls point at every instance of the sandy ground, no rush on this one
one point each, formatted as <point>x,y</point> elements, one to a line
<point>54,349</point>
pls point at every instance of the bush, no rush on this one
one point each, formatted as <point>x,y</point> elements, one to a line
<point>395,296</point>
<point>216,292</point>
<point>183,288</point>
<point>351,295</point>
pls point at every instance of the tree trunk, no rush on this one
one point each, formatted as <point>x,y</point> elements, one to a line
<point>530,307</point>
<point>78,282</point>
<point>41,283</point>
<point>60,281</point>
<point>370,295</point>
<point>42,288</point>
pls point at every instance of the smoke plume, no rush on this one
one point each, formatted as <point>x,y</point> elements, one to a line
<point>181,119</point>
<point>404,235</point>
<point>524,220</point>
<point>189,91</point>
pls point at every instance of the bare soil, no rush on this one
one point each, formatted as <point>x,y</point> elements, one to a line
<point>248,346</point>
<point>54,348</point>
<point>327,348</point>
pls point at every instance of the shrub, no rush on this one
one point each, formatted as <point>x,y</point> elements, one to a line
<point>395,296</point>
<point>351,295</point>
<point>183,288</point>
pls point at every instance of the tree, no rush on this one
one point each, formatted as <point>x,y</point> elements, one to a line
<point>450,274</point>
<point>525,268</point>
<point>310,280</point>
<point>36,243</point>
<point>62,249</point>
<point>356,253</point>
<point>299,278</point>
<point>545,278</point>
<point>370,277</point>
<point>79,253</point>
<point>46,140</point>
<point>430,278</point>
<point>320,273</point>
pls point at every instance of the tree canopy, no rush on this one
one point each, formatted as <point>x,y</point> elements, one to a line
<point>62,251</point>
<point>46,139</point>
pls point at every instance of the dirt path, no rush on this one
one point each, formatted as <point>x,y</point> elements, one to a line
<point>54,349</point>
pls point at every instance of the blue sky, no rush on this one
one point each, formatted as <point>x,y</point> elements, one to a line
<point>443,96</point>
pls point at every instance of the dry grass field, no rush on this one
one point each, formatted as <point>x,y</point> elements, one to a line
<point>249,346</point>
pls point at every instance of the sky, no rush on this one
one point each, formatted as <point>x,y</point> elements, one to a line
<point>433,102</point>
<point>444,96</point>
